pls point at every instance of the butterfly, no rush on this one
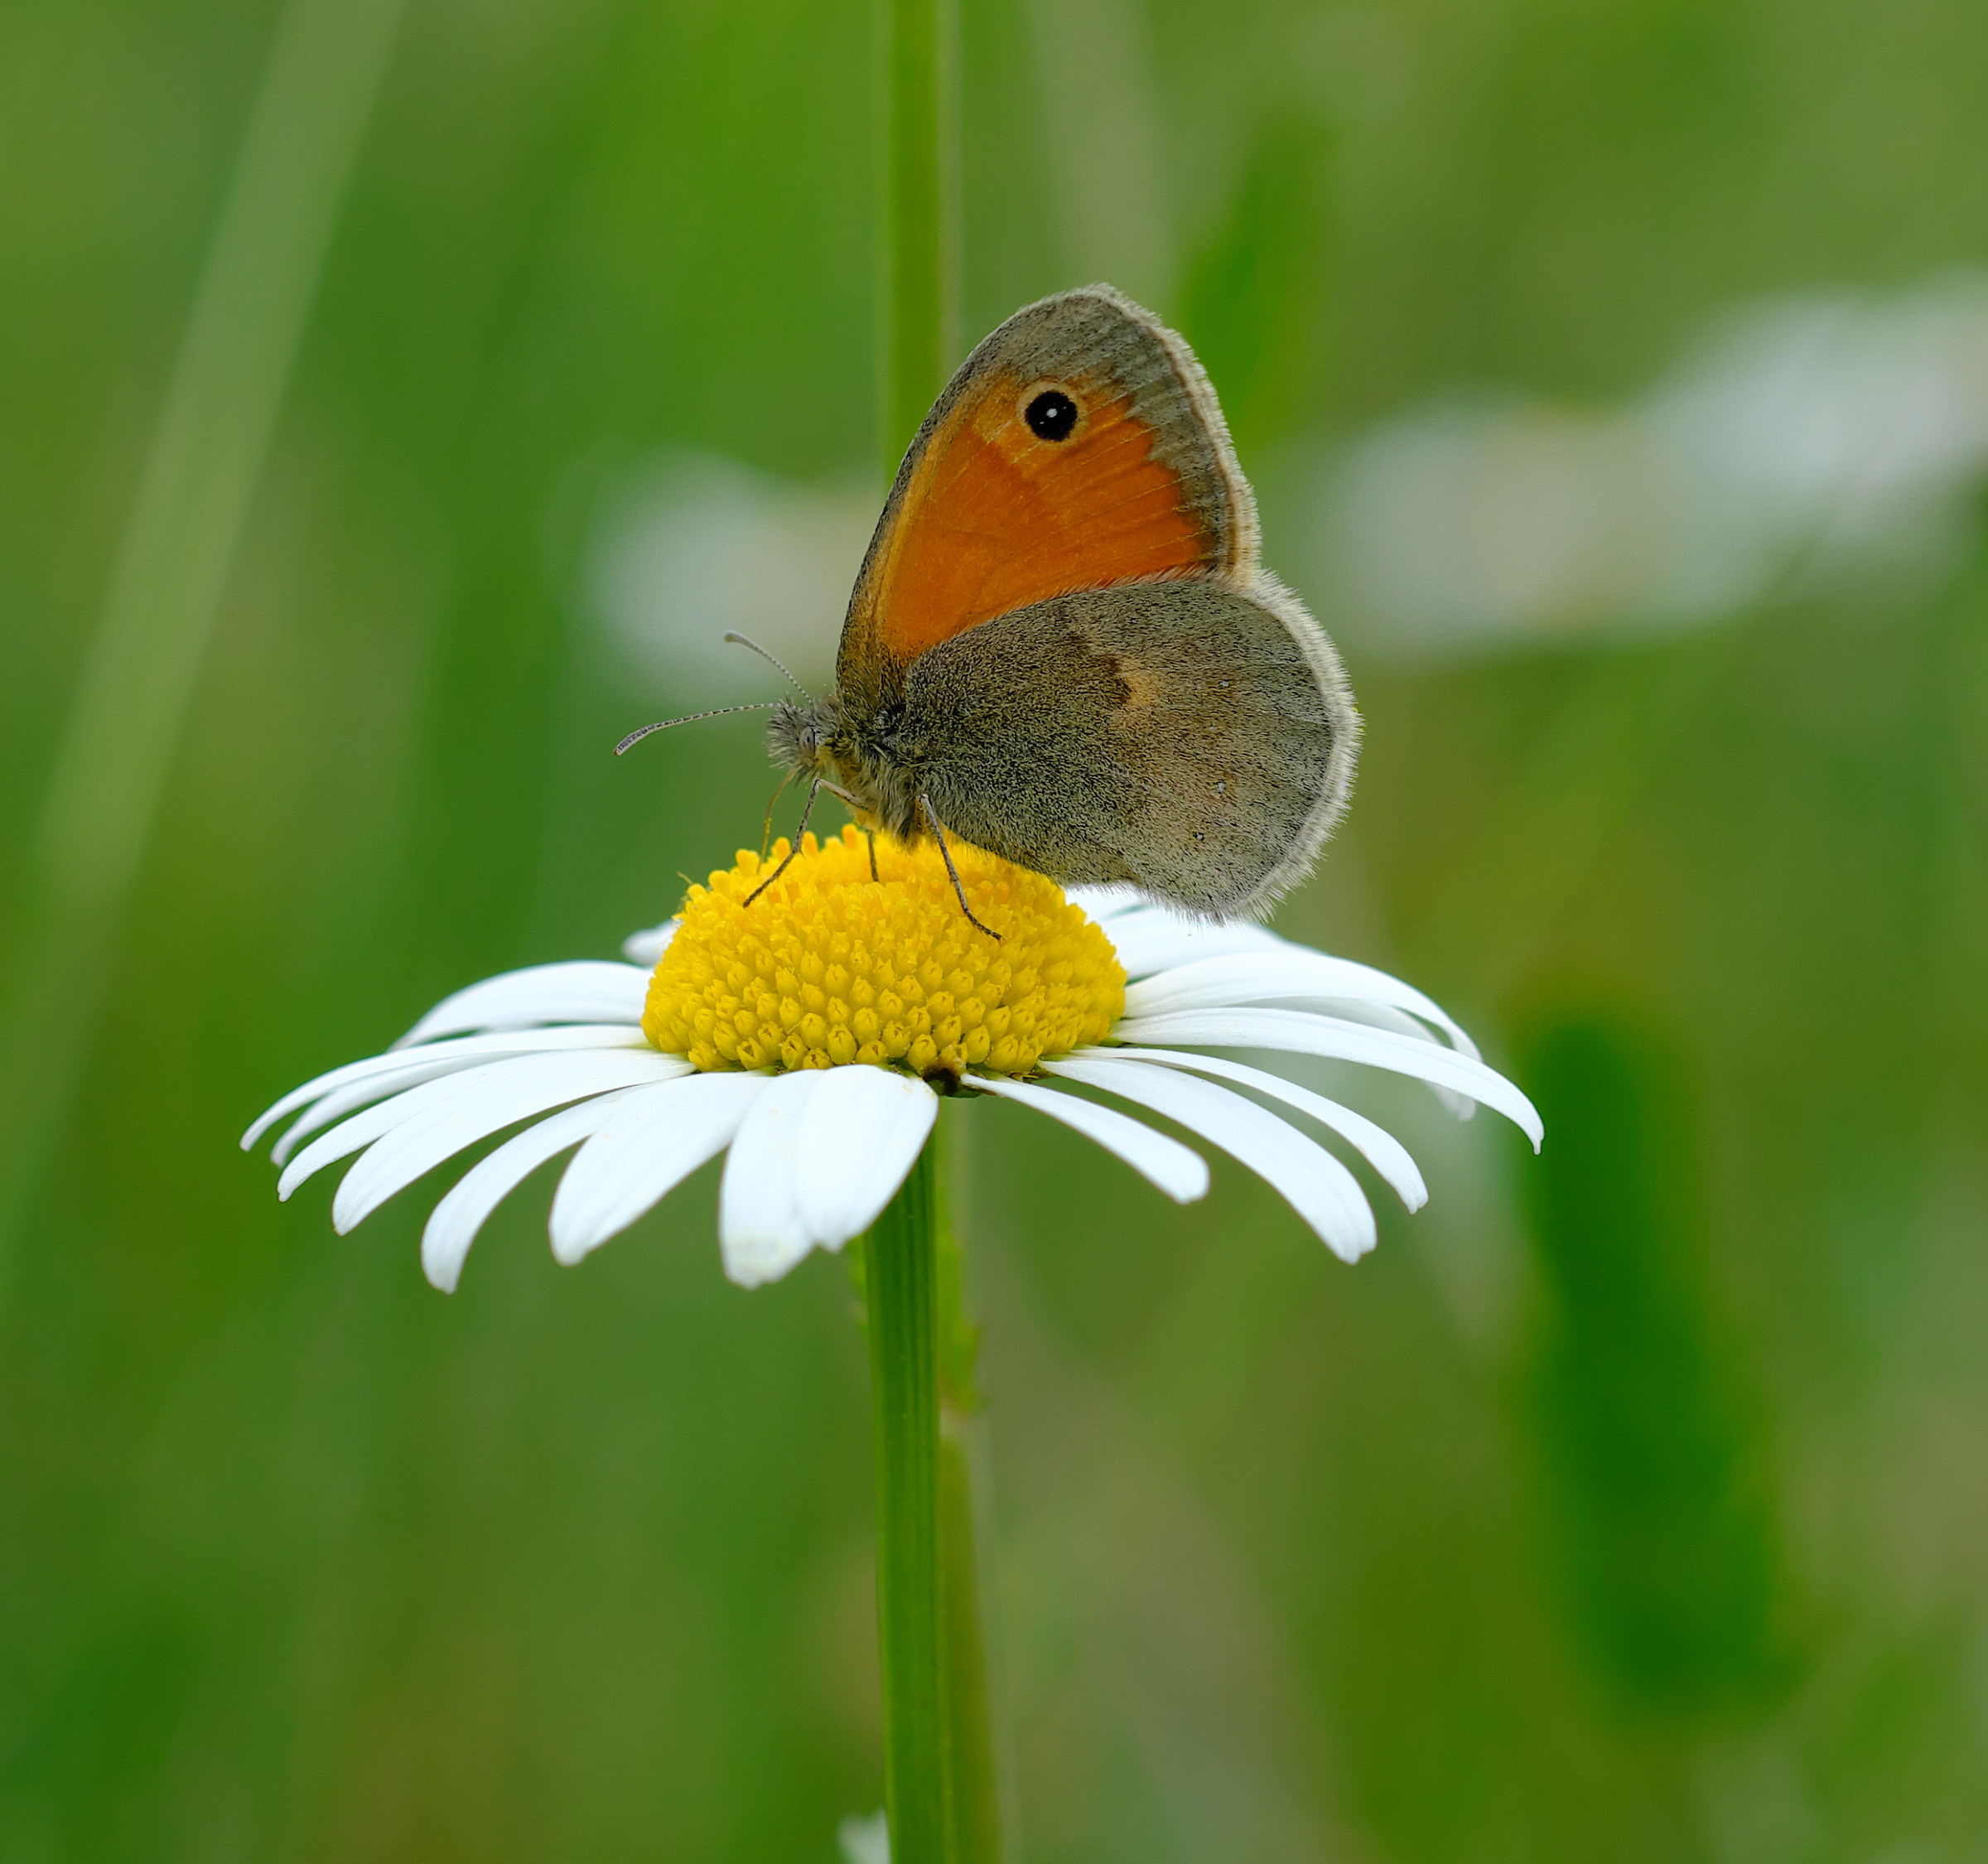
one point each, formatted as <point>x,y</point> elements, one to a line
<point>1062,647</point>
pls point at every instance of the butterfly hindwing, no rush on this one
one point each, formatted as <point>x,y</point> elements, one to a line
<point>1193,736</point>
<point>1133,478</point>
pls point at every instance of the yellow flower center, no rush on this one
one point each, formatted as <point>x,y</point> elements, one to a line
<point>828,966</point>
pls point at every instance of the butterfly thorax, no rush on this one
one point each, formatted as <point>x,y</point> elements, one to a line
<point>857,755</point>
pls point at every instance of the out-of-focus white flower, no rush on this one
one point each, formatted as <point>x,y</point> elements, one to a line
<point>1825,434</point>
<point>1804,441</point>
<point>804,1038</point>
<point>694,544</point>
<point>865,1841</point>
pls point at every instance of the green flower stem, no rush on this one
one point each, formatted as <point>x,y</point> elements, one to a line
<point>972,1730</point>
<point>941,1781</point>
<point>901,1286</point>
<point>918,244</point>
<point>941,1777</point>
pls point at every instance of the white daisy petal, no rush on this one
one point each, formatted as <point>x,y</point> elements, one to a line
<point>817,1156</point>
<point>1377,1146</point>
<point>1178,1169</point>
<point>860,1137</point>
<point>1298,1031</point>
<point>763,1230</point>
<point>1316,1185</point>
<point>1291,975</point>
<point>466,1051</point>
<point>362,1129</point>
<point>654,1140</point>
<point>646,948</point>
<point>585,990</point>
<point>1379,1015</point>
<point>1098,904</point>
<point>349,1098</point>
<point>413,1067</point>
<point>1157,938</point>
<point>354,1135</point>
<point>453,1226</point>
<point>1376,1016</point>
<point>467,1107</point>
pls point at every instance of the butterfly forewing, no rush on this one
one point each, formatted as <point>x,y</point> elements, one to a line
<point>1079,446</point>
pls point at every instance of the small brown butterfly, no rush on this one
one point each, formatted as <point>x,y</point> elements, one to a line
<point>1062,647</point>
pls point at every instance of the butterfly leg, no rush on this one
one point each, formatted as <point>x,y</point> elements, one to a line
<point>959,892</point>
<point>766,827</point>
<point>854,807</point>
<point>794,848</point>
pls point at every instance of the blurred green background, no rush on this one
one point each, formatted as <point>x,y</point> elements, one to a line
<point>1616,386</point>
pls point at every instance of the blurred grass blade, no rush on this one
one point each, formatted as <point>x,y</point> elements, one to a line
<point>178,546</point>
<point>1254,301</point>
<point>1660,1461</point>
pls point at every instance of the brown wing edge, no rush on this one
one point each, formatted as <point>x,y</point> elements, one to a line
<point>1268,593</point>
<point>1245,533</point>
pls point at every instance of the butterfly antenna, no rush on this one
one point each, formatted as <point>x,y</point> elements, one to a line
<point>746,640</point>
<point>691,718</point>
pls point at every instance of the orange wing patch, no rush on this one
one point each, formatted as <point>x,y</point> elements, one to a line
<point>995,519</point>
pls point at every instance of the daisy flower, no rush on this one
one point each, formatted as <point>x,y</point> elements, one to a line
<point>808,1038</point>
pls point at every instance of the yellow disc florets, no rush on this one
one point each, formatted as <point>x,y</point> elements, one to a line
<point>828,966</point>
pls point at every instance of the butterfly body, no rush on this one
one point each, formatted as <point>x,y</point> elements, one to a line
<point>1061,647</point>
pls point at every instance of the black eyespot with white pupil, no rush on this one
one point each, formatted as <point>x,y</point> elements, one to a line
<point>1052,415</point>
